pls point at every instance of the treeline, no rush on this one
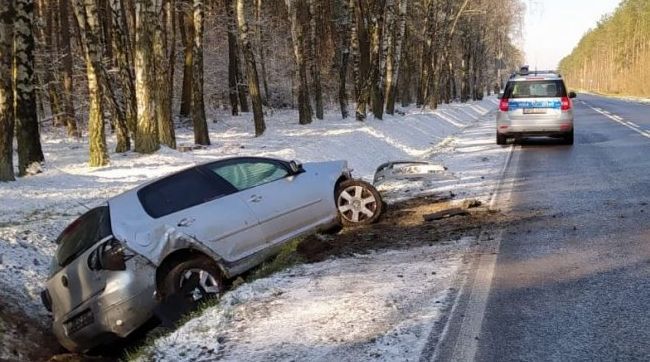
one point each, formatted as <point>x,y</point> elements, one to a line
<point>100,66</point>
<point>614,57</point>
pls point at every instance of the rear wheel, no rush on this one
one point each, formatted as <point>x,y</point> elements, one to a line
<point>501,139</point>
<point>568,138</point>
<point>358,203</point>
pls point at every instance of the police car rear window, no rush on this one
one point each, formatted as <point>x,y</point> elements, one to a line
<point>535,89</point>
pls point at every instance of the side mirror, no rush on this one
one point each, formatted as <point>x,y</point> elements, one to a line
<point>500,95</point>
<point>572,94</point>
<point>108,256</point>
<point>296,167</point>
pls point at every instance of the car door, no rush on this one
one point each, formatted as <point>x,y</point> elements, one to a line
<point>285,204</point>
<point>206,208</point>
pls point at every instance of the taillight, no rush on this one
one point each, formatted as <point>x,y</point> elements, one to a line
<point>503,105</point>
<point>566,103</point>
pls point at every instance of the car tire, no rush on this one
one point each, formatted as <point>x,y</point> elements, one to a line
<point>358,203</point>
<point>568,138</point>
<point>501,139</point>
<point>204,278</point>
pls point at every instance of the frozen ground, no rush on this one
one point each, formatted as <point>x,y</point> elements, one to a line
<point>35,209</point>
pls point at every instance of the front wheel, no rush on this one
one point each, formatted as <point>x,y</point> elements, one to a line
<point>358,203</point>
<point>194,281</point>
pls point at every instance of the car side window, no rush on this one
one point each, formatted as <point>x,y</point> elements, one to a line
<point>181,191</point>
<point>247,174</point>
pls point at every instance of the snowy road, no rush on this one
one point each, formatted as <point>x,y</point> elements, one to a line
<point>572,276</point>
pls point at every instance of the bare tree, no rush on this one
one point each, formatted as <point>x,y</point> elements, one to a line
<point>164,51</point>
<point>314,58</point>
<point>27,132</point>
<point>251,69</point>
<point>66,69</point>
<point>297,36</point>
<point>201,135</point>
<point>7,15</point>
<point>146,137</point>
<point>89,31</point>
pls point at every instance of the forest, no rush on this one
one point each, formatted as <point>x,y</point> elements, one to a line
<point>137,70</point>
<point>613,57</point>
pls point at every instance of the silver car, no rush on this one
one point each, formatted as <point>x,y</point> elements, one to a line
<point>535,104</point>
<point>184,234</point>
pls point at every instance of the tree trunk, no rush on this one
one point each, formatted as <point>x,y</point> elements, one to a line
<point>297,37</point>
<point>123,62</point>
<point>201,136</point>
<point>66,69</point>
<point>376,35</point>
<point>260,49</point>
<point>233,54</point>
<point>393,59</point>
<point>251,70</point>
<point>28,136</point>
<point>187,37</point>
<point>343,21</point>
<point>314,59</point>
<point>7,15</point>
<point>360,60</point>
<point>45,35</point>
<point>164,40</point>
<point>89,31</point>
<point>146,137</point>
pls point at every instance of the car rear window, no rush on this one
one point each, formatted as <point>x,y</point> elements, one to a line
<point>553,88</point>
<point>181,191</point>
<point>81,234</point>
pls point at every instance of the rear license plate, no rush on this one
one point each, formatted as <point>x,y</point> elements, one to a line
<point>534,111</point>
<point>79,321</point>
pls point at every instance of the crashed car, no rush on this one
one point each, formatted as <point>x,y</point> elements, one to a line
<point>185,234</point>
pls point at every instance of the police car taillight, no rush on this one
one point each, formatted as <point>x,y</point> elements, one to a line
<point>566,104</point>
<point>503,105</point>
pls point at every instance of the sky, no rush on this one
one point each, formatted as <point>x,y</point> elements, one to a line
<point>554,27</point>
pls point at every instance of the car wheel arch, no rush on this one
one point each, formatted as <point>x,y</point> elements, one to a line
<point>180,255</point>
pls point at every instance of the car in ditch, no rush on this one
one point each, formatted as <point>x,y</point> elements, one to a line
<point>184,234</point>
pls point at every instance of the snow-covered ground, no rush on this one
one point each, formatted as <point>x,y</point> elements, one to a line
<point>35,209</point>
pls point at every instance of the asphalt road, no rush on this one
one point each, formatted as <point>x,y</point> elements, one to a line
<point>566,277</point>
<point>572,278</point>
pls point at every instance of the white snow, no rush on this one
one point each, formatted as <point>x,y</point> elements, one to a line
<point>379,306</point>
<point>35,209</point>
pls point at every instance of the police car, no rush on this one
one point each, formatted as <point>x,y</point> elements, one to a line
<point>535,104</point>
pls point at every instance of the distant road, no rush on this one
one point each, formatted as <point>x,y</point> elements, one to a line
<point>572,277</point>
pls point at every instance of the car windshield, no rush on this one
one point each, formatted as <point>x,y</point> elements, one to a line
<point>535,89</point>
<point>83,233</point>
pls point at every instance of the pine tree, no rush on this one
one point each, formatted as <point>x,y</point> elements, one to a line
<point>7,15</point>
<point>27,132</point>
<point>201,136</point>
<point>251,69</point>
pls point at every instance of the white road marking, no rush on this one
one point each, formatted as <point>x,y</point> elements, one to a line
<point>633,126</point>
<point>466,343</point>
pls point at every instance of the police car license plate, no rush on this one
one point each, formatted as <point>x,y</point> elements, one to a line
<point>534,111</point>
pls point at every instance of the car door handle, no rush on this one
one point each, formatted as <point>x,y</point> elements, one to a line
<point>185,222</point>
<point>255,198</point>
